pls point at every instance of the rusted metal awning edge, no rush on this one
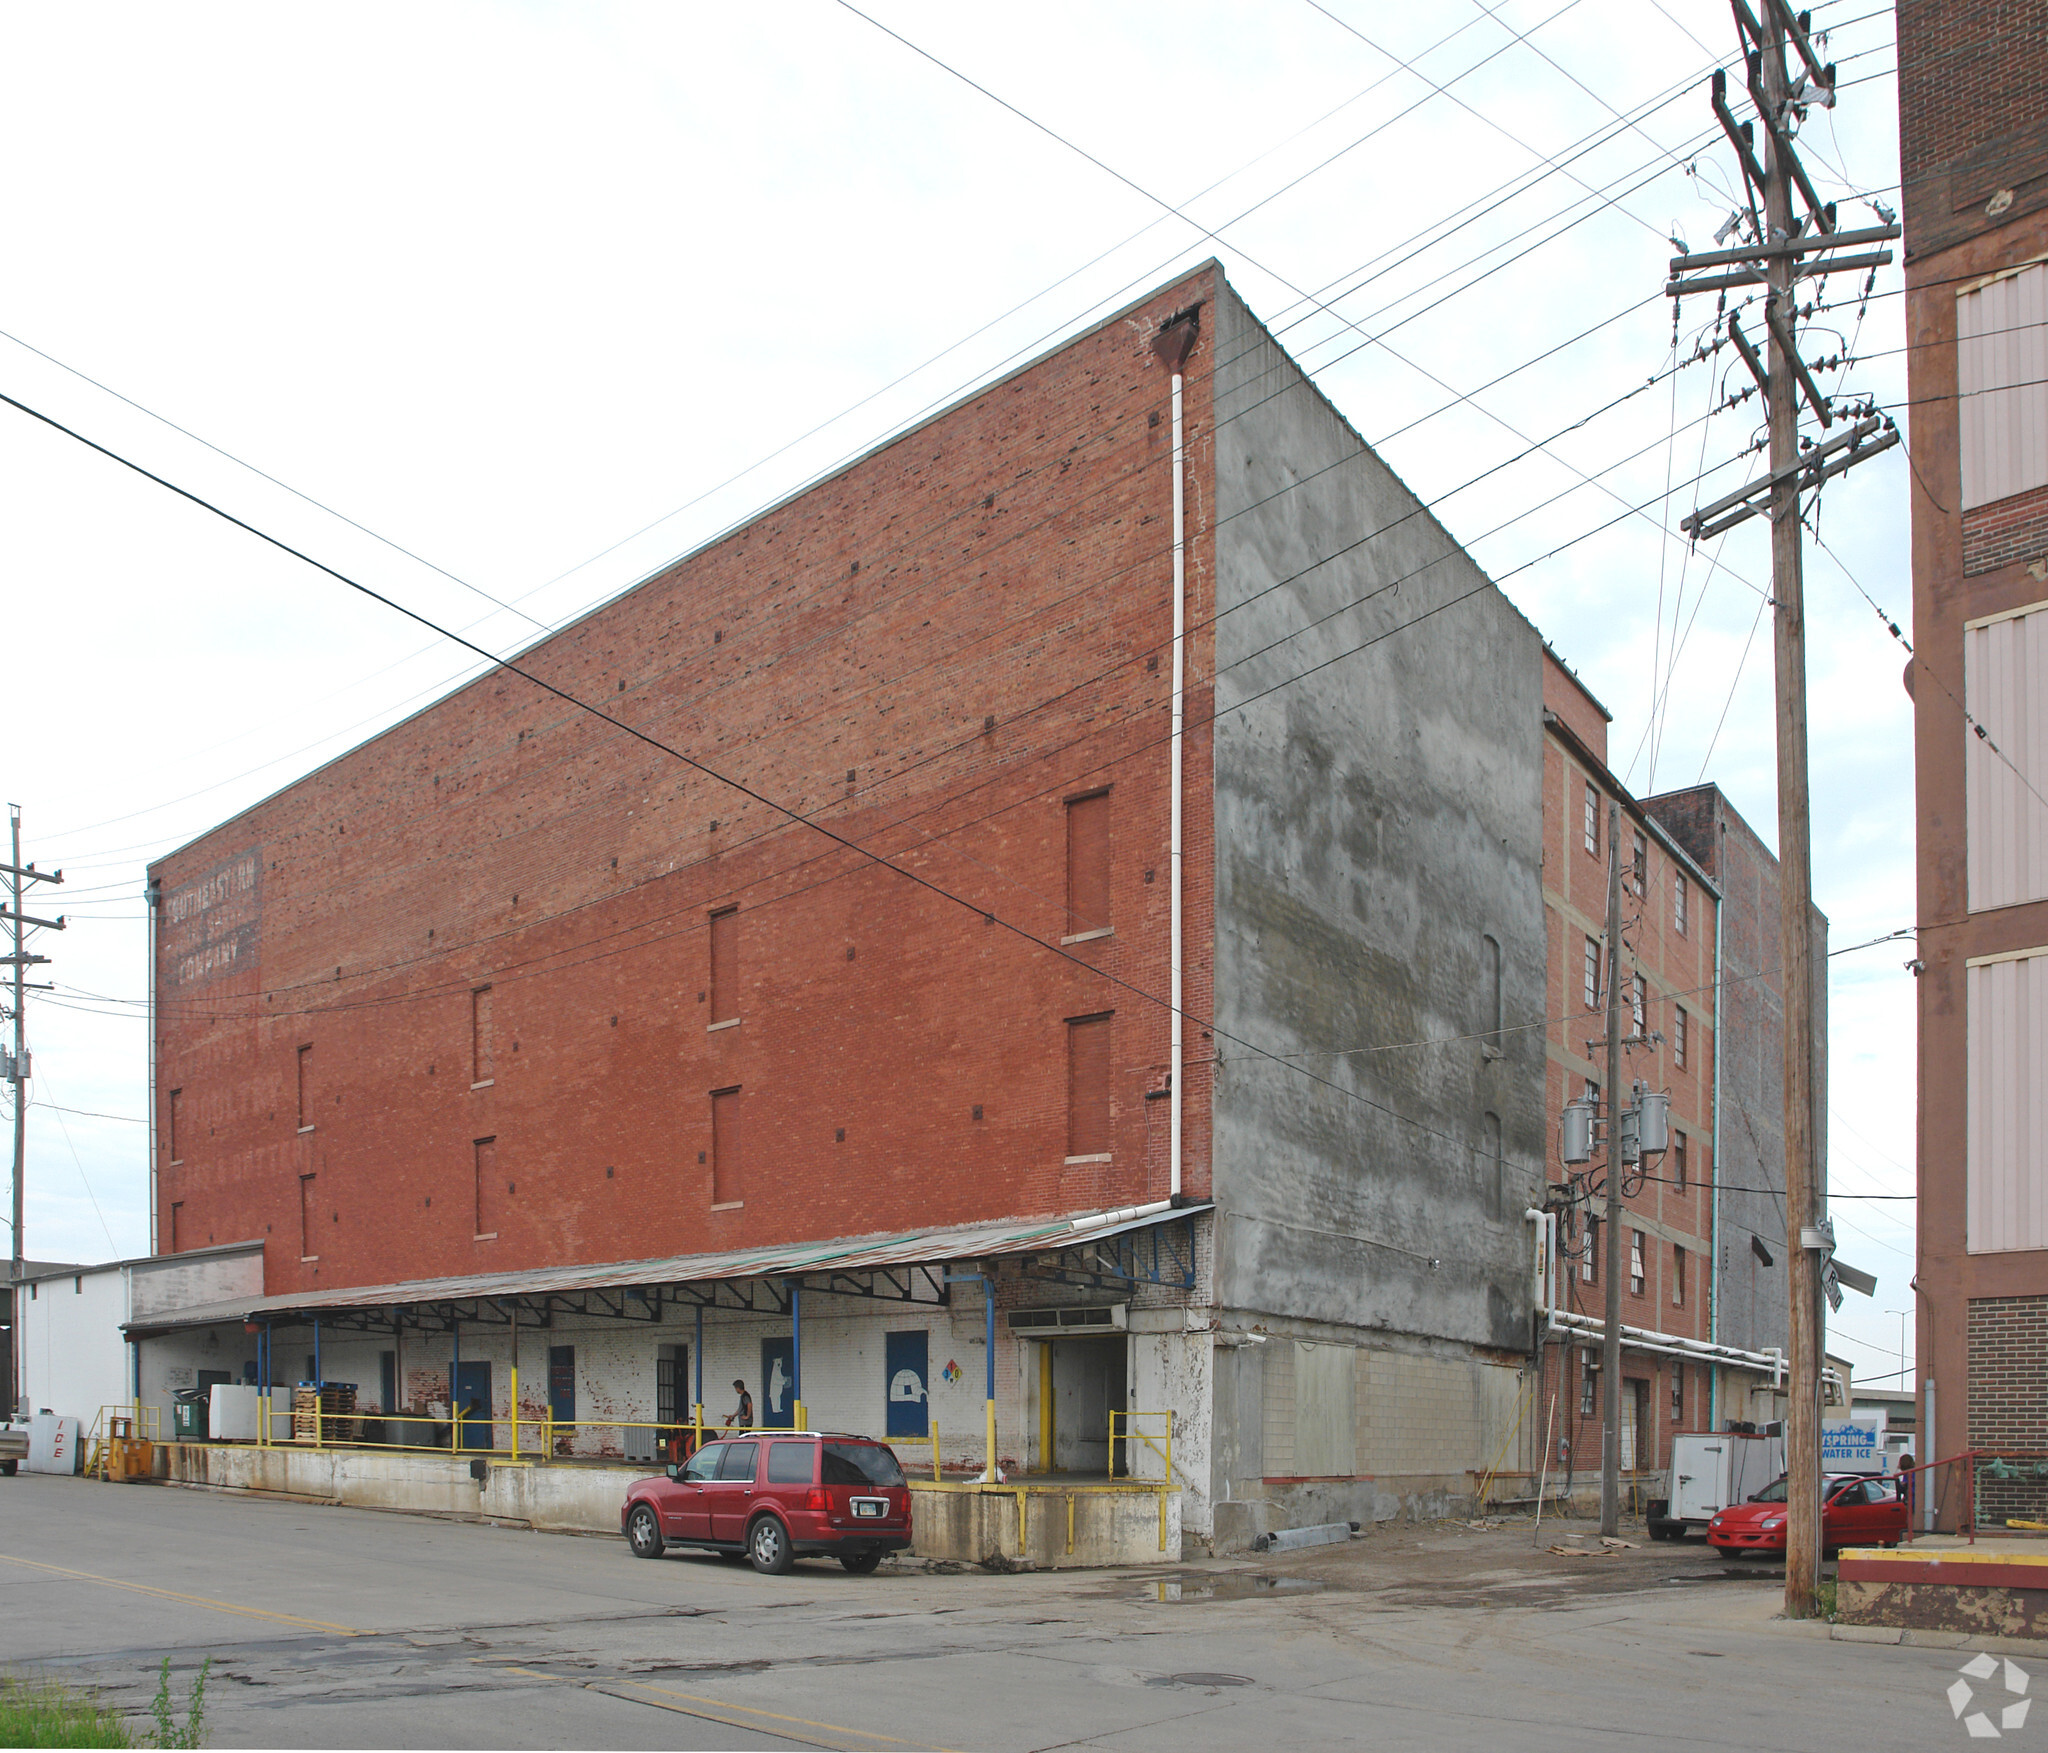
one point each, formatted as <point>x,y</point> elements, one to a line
<point>839,1254</point>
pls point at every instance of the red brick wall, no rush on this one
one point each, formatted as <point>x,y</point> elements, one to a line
<point>2006,530</point>
<point>930,652</point>
<point>2009,1399</point>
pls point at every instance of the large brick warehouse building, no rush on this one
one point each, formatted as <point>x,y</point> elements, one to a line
<point>787,986</point>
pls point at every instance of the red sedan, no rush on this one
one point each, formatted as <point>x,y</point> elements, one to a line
<point>1856,1510</point>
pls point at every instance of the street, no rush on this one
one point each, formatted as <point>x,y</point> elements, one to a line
<point>335,1627</point>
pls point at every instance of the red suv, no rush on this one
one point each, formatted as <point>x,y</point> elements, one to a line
<point>776,1496</point>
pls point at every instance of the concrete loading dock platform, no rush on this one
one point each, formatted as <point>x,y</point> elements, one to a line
<point>1049,1525</point>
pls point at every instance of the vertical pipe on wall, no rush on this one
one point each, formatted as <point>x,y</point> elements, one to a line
<point>1714,1170</point>
<point>150,897</point>
<point>318,1378</point>
<point>700,1372</point>
<point>1171,345</point>
<point>988,1297</point>
<point>796,1355</point>
<point>1174,849</point>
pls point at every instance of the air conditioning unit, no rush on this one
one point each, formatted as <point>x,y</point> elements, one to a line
<point>1110,1318</point>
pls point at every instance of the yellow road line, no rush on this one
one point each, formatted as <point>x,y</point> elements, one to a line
<point>87,1576</point>
<point>713,1704</point>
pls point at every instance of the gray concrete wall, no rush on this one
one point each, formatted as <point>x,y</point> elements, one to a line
<point>1375,821</point>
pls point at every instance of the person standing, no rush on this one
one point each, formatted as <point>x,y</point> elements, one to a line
<point>743,1413</point>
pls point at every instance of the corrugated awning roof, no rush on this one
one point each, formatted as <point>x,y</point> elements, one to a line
<point>843,1254</point>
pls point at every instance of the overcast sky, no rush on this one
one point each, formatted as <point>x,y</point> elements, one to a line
<point>549,294</point>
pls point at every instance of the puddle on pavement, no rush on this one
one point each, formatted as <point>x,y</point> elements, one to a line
<point>1231,1588</point>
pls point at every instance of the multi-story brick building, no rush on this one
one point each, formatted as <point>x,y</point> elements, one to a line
<point>1704,1296</point>
<point>776,979</point>
<point>793,971</point>
<point>1973,128</point>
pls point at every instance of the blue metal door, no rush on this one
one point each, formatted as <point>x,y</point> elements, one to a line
<point>562,1383</point>
<point>906,1361</point>
<point>776,1408</point>
<point>473,1401</point>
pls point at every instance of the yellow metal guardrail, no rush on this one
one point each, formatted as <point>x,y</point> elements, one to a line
<point>1160,1442</point>
<point>127,1421</point>
<point>459,1428</point>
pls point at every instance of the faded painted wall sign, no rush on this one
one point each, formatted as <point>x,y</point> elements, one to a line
<point>211,927</point>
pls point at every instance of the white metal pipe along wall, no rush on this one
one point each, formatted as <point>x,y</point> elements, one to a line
<point>1173,846</point>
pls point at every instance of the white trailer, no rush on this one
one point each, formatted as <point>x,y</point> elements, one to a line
<point>1710,1472</point>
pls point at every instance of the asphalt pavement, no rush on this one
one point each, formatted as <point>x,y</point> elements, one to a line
<point>333,1627</point>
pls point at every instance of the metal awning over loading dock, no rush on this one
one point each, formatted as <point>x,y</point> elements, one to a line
<point>1106,1250</point>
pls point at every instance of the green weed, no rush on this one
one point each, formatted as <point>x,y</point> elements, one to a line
<point>168,1733</point>
<point>34,1713</point>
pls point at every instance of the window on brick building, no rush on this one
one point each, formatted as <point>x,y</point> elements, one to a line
<point>1678,1174</point>
<point>1592,822</point>
<point>1681,903</point>
<point>1589,1383</point>
<point>480,1037</point>
<point>1591,985</point>
<point>1589,1262</point>
<point>1677,1395</point>
<point>306,1229</point>
<point>728,1148</point>
<point>484,1154</point>
<point>1636,998</point>
<point>1640,869</point>
<point>1087,866</point>
<point>1679,1031</point>
<point>1088,1088</point>
<point>305,1074</point>
<point>171,1133</point>
<point>1677,1276</point>
<point>1635,1262</point>
<point>725,967</point>
<point>177,1216</point>
<point>1492,997</point>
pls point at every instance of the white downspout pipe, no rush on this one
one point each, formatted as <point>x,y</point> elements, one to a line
<point>1714,1285</point>
<point>1179,719</point>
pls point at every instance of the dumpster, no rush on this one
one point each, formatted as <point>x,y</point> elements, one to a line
<point>188,1415</point>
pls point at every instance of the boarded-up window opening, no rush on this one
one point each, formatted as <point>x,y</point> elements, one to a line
<point>177,1209</point>
<point>306,1218</point>
<point>1088,1085</point>
<point>480,1035</point>
<point>485,1156</point>
<point>2006,1133</point>
<point>1087,864</point>
<point>2005,687</point>
<point>728,1149</point>
<point>171,1127</point>
<point>725,966</point>
<point>1492,999</point>
<point>2002,398</point>
<point>305,1074</point>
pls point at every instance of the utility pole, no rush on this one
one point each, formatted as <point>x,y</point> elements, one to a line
<point>1783,248</point>
<point>17,1066</point>
<point>1610,1339</point>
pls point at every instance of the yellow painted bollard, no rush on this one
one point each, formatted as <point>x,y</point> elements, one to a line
<point>991,1439</point>
<point>798,1411</point>
<point>515,1412</point>
<point>1021,1501</point>
<point>1070,1523</point>
<point>935,1452</point>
